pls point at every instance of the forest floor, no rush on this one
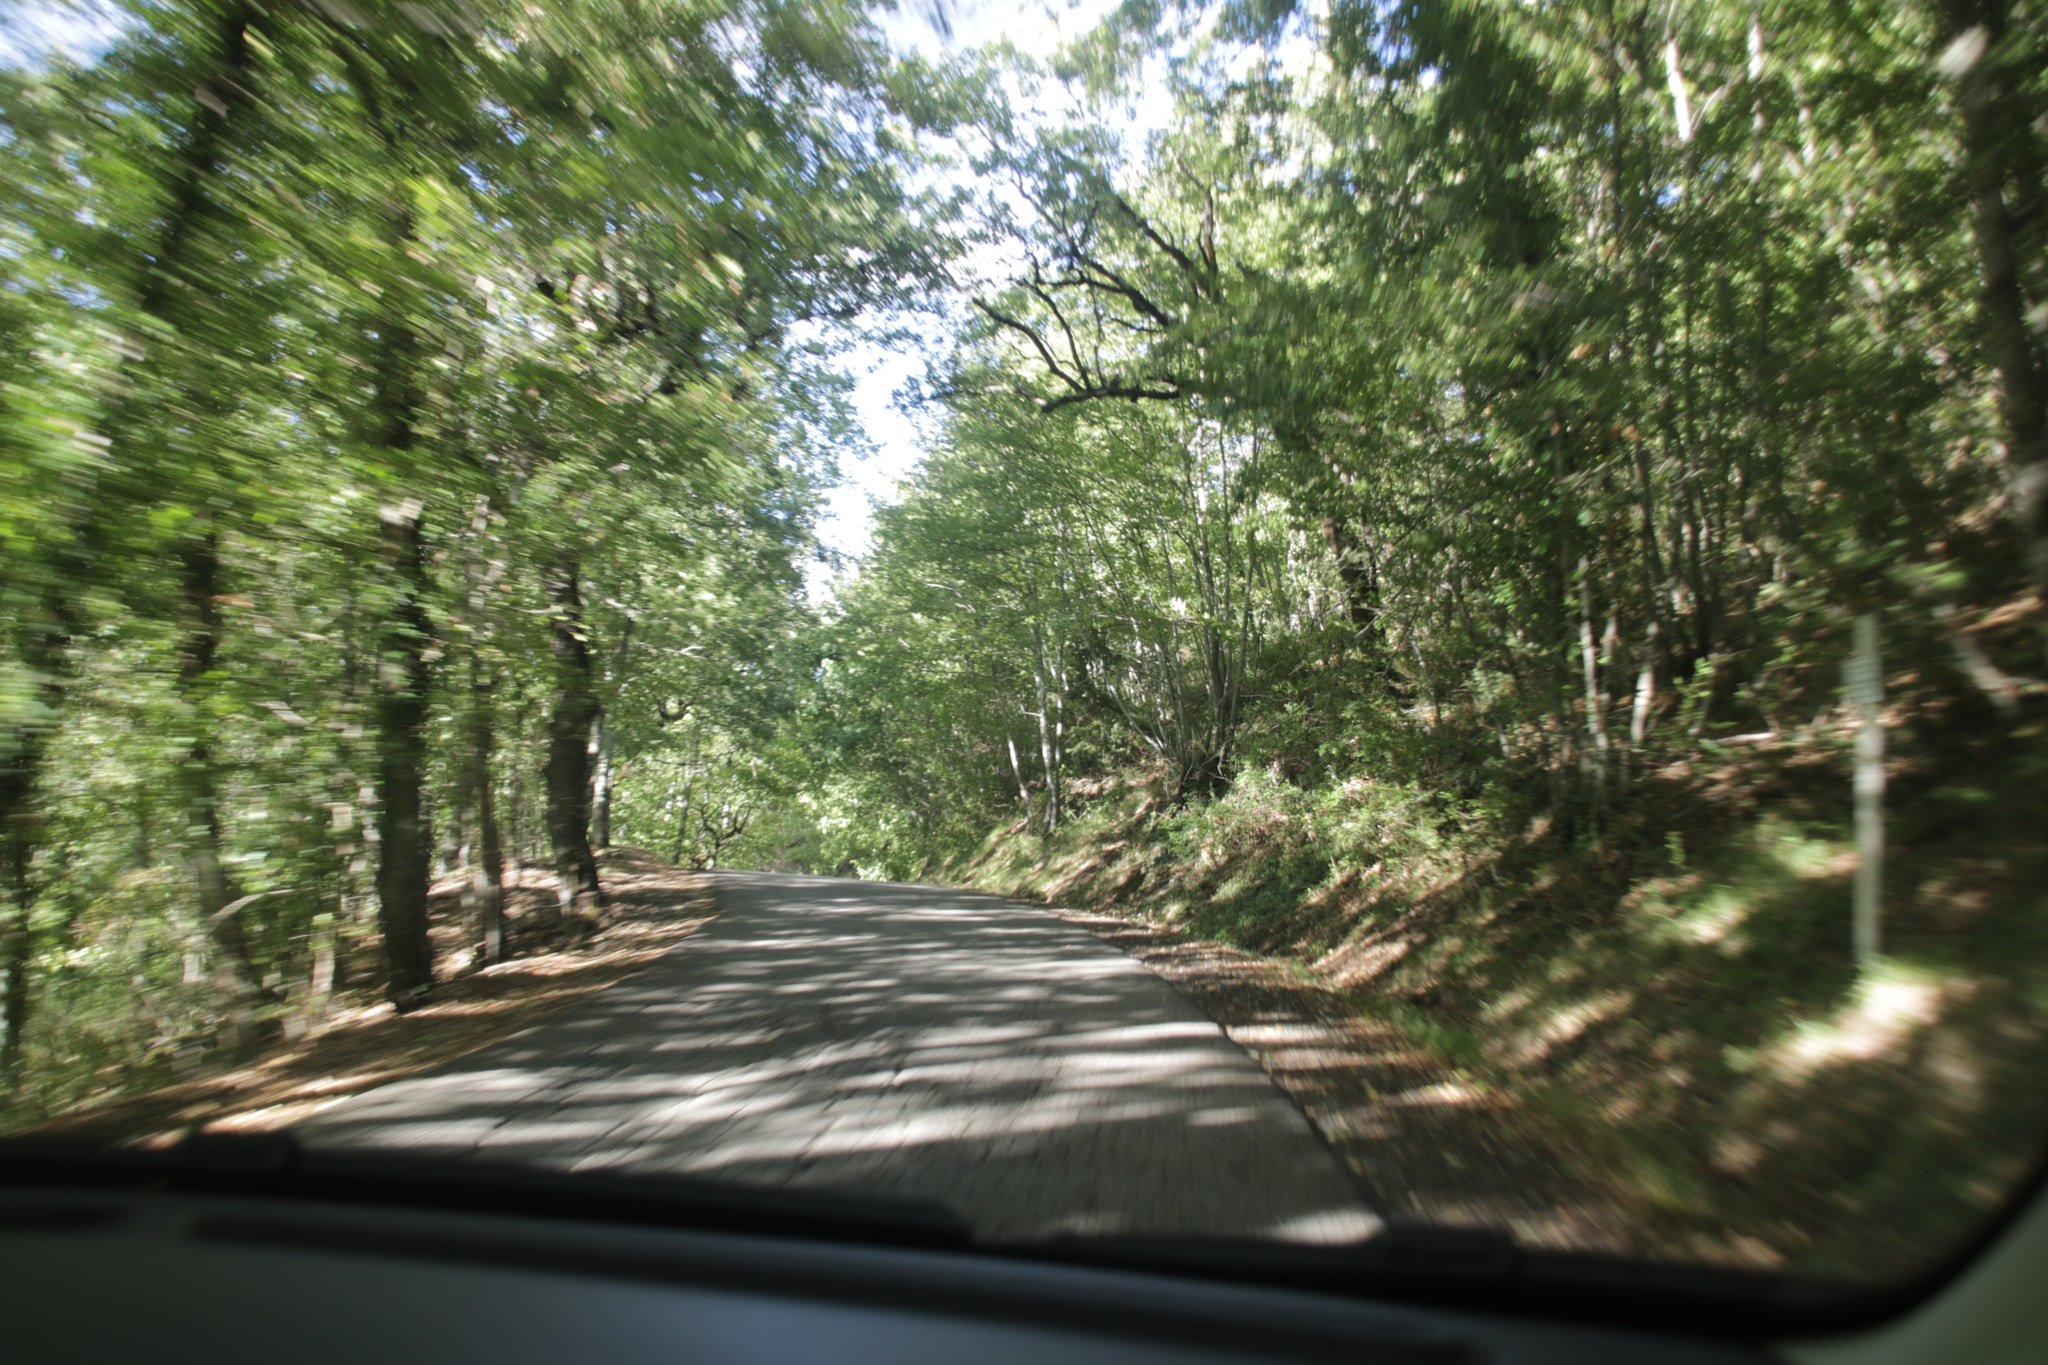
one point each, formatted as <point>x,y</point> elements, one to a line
<point>363,1043</point>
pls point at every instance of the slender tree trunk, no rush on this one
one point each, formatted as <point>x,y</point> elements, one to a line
<point>1645,696</point>
<point>405,842</point>
<point>349,818</point>
<point>1047,752</point>
<point>1059,718</point>
<point>1596,696</point>
<point>602,804</point>
<point>682,828</point>
<point>487,880</point>
<point>1010,743</point>
<point>1023,788</point>
<point>198,778</point>
<point>574,712</point>
<point>16,945</point>
<point>1563,624</point>
<point>320,984</point>
<point>607,773</point>
<point>406,647</point>
<point>1760,413</point>
<point>515,804</point>
<point>20,833</point>
<point>222,97</point>
<point>485,897</point>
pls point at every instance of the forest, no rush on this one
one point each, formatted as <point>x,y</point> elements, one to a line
<point>1405,505</point>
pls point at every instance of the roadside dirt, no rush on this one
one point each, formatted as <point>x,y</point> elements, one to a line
<point>1426,1142</point>
<point>361,1045</point>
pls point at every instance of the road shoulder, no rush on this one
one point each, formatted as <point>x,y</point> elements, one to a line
<point>1425,1141</point>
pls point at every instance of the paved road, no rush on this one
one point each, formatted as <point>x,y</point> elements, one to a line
<point>894,1040</point>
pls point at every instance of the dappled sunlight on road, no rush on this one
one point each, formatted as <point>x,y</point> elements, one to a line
<point>895,1040</point>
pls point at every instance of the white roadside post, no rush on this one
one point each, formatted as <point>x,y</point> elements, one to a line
<point>1864,676</point>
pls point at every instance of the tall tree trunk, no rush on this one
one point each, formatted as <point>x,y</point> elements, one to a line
<point>487,879</point>
<point>1997,128</point>
<point>574,712</point>
<point>1595,753</point>
<point>515,801</point>
<point>682,827</point>
<point>607,776</point>
<point>1023,787</point>
<point>1562,604</point>
<point>600,744</point>
<point>406,647</point>
<point>351,805</point>
<point>16,948</point>
<point>42,639</point>
<point>1048,752</point>
<point>198,786</point>
<point>1760,416</point>
<point>405,842</point>
<point>1645,695</point>
<point>405,637</point>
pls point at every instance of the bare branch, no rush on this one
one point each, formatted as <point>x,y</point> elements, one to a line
<point>1180,258</point>
<point>1133,392</point>
<point>1114,283</point>
<point>1038,342</point>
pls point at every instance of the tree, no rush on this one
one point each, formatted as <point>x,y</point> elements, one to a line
<point>307,303</point>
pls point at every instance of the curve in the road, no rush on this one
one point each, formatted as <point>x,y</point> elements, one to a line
<point>894,1040</point>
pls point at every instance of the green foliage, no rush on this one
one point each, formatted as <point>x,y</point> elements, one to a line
<point>1408,514</point>
<point>1452,447</point>
<point>1503,402</point>
<point>334,342</point>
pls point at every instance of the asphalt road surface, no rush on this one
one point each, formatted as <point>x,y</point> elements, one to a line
<point>893,1040</point>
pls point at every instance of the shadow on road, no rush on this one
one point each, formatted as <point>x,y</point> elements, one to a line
<point>894,1040</point>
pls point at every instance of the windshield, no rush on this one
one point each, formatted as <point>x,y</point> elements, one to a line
<point>1231,624</point>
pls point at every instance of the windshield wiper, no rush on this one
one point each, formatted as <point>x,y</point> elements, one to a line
<point>276,1165</point>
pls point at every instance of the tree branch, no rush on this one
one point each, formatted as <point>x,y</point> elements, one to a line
<point>1037,342</point>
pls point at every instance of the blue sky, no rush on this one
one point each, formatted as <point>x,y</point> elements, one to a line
<point>1036,29</point>
<point>31,28</point>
